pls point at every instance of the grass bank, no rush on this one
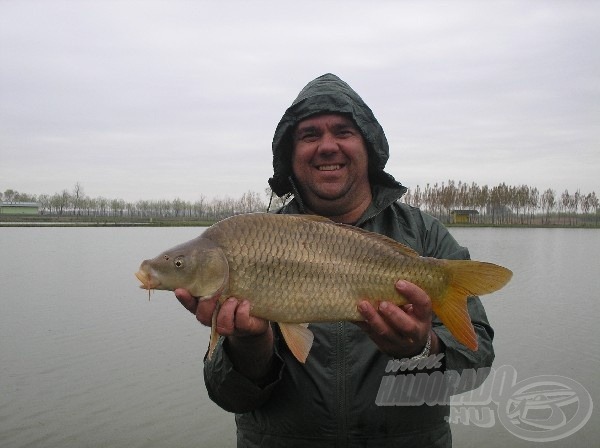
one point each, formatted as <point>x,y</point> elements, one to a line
<point>97,221</point>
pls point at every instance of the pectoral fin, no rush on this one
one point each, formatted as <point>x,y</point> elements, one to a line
<point>298,338</point>
<point>214,336</point>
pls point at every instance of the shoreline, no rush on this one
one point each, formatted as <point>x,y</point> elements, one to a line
<point>71,221</point>
<point>74,221</point>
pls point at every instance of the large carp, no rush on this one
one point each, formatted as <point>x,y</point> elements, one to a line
<point>295,269</point>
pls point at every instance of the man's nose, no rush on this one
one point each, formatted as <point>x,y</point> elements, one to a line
<point>328,144</point>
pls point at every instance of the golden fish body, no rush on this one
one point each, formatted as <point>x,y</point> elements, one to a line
<point>301,268</point>
<point>294,269</point>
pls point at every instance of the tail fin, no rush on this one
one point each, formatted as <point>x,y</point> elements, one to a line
<point>467,278</point>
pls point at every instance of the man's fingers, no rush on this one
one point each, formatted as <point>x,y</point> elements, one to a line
<point>226,317</point>
<point>203,309</point>
<point>246,323</point>
<point>398,319</point>
<point>387,318</point>
<point>398,330</point>
<point>420,303</point>
<point>243,321</point>
<point>187,300</point>
<point>374,322</point>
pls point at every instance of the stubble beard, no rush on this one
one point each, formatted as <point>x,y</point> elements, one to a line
<point>326,202</point>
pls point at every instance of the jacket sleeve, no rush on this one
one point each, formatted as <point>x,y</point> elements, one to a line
<point>231,390</point>
<point>439,243</point>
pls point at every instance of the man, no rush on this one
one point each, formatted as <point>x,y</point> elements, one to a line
<point>329,152</point>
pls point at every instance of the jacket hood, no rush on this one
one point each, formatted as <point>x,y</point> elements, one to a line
<point>328,94</point>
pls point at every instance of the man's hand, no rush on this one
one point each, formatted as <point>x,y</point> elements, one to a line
<point>233,319</point>
<point>401,331</point>
<point>249,339</point>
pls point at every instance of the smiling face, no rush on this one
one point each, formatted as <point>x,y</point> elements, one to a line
<point>330,164</point>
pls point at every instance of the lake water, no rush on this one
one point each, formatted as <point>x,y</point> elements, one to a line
<point>87,360</point>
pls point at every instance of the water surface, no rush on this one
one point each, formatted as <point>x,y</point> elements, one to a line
<point>87,360</point>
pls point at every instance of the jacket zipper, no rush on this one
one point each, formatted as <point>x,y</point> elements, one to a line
<point>341,385</point>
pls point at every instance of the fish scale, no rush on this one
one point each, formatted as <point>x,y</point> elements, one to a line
<point>298,268</point>
<point>321,284</point>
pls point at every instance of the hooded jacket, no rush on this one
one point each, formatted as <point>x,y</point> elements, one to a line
<point>328,94</point>
<point>332,400</point>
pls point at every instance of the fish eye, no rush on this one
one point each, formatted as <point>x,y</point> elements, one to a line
<point>179,263</point>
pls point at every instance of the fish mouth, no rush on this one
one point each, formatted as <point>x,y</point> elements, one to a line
<point>147,281</point>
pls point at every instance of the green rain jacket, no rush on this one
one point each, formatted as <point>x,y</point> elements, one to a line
<point>331,400</point>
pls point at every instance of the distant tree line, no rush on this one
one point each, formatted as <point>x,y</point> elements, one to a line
<point>76,203</point>
<point>498,205</point>
<point>506,205</point>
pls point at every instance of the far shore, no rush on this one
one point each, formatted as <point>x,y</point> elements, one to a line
<point>98,221</point>
<point>112,221</point>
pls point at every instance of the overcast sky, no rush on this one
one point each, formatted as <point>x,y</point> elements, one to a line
<point>166,99</point>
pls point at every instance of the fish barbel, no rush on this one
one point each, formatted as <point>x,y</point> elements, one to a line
<point>295,269</point>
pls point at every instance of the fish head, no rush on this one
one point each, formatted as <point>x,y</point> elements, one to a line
<point>198,266</point>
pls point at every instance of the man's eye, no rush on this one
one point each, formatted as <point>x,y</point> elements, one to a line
<point>346,132</point>
<point>308,137</point>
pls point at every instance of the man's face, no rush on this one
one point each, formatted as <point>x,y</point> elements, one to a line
<point>330,159</point>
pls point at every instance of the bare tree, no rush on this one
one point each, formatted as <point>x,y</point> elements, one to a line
<point>77,197</point>
<point>9,195</point>
<point>501,204</point>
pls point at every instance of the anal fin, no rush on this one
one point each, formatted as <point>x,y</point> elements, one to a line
<point>298,338</point>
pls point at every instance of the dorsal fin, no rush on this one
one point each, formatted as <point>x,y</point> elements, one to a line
<point>315,218</point>
<point>402,248</point>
